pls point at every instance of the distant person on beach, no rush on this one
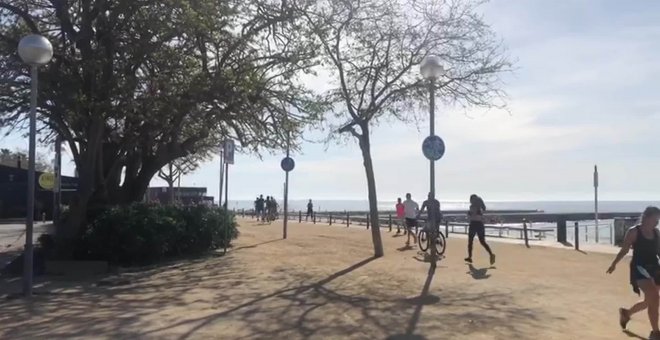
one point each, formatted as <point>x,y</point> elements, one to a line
<point>267,205</point>
<point>310,210</point>
<point>260,207</point>
<point>432,206</point>
<point>477,227</point>
<point>644,240</point>
<point>411,211</point>
<point>400,215</point>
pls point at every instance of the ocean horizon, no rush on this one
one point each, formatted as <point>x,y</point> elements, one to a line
<point>545,206</point>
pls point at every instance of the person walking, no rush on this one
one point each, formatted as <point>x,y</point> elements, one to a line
<point>310,211</point>
<point>400,215</point>
<point>477,227</point>
<point>260,207</point>
<point>644,239</point>
<point>411,210</point>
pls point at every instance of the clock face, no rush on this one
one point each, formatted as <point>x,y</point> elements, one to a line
<point>288,164</point>
<point>433,148</point>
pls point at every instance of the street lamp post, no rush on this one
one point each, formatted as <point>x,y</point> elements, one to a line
<point>431,69</point>
<point>287,164</point>
<point>433,146</point>
<point>35,50</point>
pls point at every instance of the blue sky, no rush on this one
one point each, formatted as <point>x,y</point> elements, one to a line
<point>585,92</point>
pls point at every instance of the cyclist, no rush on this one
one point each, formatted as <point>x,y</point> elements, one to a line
<point>432,206</point>
<point>411,213</point>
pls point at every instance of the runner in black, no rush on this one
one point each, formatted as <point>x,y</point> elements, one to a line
<point>644,240</point>
<point>477,227</point>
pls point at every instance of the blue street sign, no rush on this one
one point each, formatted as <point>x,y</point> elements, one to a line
<point>288,164</point>
<point>433,148</point>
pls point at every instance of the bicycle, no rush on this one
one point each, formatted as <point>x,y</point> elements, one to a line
<point>424,240</point>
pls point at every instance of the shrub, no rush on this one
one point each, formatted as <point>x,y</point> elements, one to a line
<point>142,233</point>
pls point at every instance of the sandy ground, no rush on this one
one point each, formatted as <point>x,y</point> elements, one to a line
<point>322,283</point>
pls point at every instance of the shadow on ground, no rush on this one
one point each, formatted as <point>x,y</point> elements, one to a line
<point>193,299</point>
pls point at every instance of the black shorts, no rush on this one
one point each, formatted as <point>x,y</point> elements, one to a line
<point>411,222</point>
<point>645,273</point>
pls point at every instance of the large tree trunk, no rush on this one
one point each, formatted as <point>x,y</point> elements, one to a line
<point>371,186</point>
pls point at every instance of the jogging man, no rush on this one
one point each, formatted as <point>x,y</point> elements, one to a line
<point>411,210</point>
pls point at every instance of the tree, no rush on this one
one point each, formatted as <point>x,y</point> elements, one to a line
<point>135,85</point>
<point>177,168</point>
<point>12,158</point>
<point>372,48</point>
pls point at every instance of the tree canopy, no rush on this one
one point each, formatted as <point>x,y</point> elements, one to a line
<point>372,49</point>
<point>136,84</point>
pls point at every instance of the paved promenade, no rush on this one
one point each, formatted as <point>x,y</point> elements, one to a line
<point>321,283</point>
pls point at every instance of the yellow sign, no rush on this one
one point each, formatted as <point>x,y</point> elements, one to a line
<point>47,181</point>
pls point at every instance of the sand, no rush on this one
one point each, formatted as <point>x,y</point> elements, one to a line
<point>322,283</point>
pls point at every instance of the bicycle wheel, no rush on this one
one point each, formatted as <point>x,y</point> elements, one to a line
<point>423,240</point>
<point>441,244</point>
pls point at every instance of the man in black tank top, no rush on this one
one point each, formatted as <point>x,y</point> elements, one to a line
<point>644,239</point>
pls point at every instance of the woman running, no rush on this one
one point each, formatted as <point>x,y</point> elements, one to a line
<point>644,268</point>
<point>476,216</point>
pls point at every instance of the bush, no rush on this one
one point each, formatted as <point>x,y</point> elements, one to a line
<point>142,233</point>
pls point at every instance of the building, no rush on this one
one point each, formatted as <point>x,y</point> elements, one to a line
<point>185,195</point>
<point>13,192</point>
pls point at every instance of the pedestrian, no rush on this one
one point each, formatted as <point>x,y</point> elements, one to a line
<point>260,207</point>
<point>477,227</point>
<point>411,211</point>
<point>432,206</point>
<point>644,240</point>
<point>310,210</point>
<point>400,215</point>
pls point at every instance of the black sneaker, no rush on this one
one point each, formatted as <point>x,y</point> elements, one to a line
<point>492,259</point>
<point>468,259</point>
<point>624,318</point>
<point>654,336</point>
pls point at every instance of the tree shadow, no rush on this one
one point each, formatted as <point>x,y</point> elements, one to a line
<point>256,245</point>
<point>199,299</point>
<point>479,274</point>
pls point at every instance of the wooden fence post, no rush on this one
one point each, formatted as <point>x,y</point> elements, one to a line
<point>447,229</point>
<point>525,230</point>
<point>314,217</point>
<point>330,219</point>
<point>348,219</point>
<point>390,222</point>
<point>299,216</point>
<point>577,236</point>
<point>368,221</point>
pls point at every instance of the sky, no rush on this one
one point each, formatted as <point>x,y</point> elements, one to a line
<point>585,91</point>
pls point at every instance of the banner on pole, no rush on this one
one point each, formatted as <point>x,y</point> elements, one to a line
<point>229,151</point>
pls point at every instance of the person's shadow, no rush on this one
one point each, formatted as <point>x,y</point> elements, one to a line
<point>479,274</point>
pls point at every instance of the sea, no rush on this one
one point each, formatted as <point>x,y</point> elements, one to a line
<point>541,206</point>
<point>590,232</point>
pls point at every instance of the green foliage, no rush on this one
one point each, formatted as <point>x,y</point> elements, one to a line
<point>142,233</point>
